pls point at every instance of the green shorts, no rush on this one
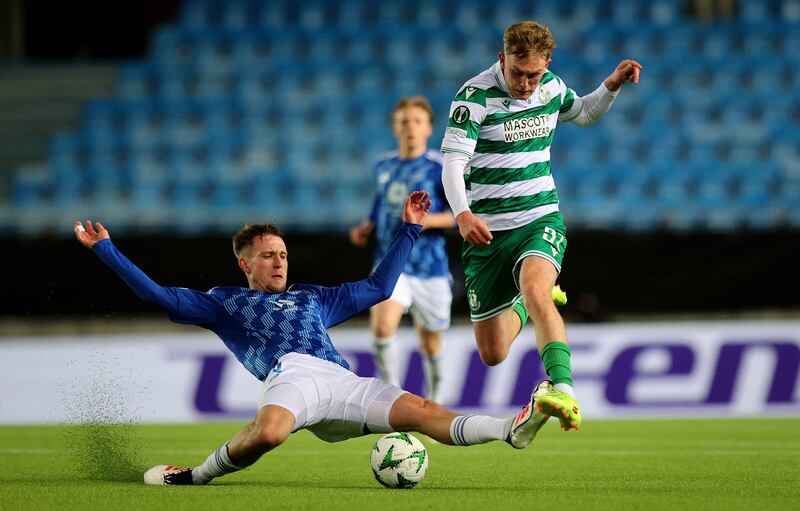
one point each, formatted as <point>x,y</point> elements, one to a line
<point>491,273</point>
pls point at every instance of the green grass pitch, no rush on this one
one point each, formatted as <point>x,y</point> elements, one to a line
<point>656,464</point>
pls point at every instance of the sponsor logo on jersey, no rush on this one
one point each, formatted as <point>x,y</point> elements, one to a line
<point>526,128</point>
<point>285,305</point>
<point>457,132</point>
<point>506,102</point>
<point>460,115</point>
<point>470,91</point>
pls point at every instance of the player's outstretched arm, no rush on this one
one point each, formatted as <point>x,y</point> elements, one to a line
<point>345,301</point>
<point>626,72</point>
<point>588,109</point>
<point>183,305</point>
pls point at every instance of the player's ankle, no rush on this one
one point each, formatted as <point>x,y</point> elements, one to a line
<point>566,388</point>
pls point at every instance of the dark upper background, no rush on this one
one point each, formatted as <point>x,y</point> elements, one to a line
<point>624,256</point>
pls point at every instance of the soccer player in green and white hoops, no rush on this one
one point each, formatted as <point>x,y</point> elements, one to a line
<point>498,182</point>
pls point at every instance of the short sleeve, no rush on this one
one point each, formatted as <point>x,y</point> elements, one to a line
<point>467,112</point>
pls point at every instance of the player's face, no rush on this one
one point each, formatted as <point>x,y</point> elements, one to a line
<point>412,126</point>
<point>267,264</point>
<point>523,74</point>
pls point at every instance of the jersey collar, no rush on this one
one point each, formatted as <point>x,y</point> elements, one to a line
<point>497,71</point>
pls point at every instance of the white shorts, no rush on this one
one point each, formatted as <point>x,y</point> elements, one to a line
<point>428,300</point>
<point>333,403</point>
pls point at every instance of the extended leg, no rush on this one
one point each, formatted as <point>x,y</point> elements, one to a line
<point>412,413</point>
<point>537,276</point>
<point>271,427</point>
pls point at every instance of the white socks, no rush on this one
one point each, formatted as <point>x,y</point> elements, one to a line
<point>217,464</point>
<point>386,359</point>
<point>432,378</point>
<point>566,388</point>
<point>479,429</point>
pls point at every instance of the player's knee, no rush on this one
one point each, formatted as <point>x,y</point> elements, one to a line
<point>270,437</point>
<point>383,331</point>
<point>492,354</point>
<point>537,296</point>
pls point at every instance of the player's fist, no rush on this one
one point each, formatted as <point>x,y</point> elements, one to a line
<point>416,207</point>
<point>90,235</point>
<point>626,72</point>
<point>473,229</point>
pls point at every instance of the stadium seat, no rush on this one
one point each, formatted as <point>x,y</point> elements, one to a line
<point>296,98</point>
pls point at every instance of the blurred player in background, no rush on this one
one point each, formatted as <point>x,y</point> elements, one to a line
<point>498,181</point>
<point>279,334</point>
<point>424,285</point>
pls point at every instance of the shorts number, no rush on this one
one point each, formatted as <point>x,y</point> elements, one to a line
<point>553,237</point>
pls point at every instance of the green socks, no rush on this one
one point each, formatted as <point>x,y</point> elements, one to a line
<point>555,357</point>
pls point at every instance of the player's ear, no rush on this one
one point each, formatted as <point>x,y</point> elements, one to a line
<point>244,266</point>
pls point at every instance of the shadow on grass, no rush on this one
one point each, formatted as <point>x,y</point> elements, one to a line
<point>303,485</point>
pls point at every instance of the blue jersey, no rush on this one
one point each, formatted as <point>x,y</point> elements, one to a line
<point>260,327</point>
<point>395,179</point>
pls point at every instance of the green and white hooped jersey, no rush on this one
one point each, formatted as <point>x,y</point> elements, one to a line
<point>508,178</point>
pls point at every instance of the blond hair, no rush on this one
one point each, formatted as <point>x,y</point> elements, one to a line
<point>417,101</point>
<point>526,37</point>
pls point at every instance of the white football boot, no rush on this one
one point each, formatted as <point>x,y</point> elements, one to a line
<point>530,420</point>
<point>164,474</point>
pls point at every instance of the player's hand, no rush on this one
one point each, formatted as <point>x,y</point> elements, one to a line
<point>360,234</point>
<point>88,235</point>
<point>473,229</point>
<point>626,72</point>
<point>416,207</point>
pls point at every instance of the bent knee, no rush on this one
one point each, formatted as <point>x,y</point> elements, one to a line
<point>270,438</point>
<point>492,353</point>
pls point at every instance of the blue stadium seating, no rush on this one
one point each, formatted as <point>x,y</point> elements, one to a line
<point>250,109</point>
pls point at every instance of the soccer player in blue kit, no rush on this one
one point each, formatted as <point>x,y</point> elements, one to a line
<point>279,334</point>
<point>424,287</point>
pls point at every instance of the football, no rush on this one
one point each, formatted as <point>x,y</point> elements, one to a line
<point>399,460</point>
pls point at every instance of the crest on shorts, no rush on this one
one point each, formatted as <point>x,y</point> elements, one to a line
<point>474,303</point>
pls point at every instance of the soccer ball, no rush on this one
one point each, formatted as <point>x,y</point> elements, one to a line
<point>399,460</point>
